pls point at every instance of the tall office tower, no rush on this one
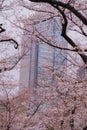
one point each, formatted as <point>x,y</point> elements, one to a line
<point>38,65</point>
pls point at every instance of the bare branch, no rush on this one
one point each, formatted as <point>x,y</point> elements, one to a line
<point>12,41</point>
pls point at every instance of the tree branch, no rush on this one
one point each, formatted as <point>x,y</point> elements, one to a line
<point>65,6</point>
<point>12,41</point>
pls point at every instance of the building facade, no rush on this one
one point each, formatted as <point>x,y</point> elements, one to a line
<point>42,59</point>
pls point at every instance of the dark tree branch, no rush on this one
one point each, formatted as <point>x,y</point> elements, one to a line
<point>65,6</point>
<point>15,43</point>
<point>57,4</point>
<point>68,39</point>
<point>12,41</point>
<point>1,28</point>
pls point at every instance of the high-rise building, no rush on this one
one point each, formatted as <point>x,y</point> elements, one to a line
<point>38,65</point>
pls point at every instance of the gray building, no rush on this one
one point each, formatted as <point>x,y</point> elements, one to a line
<point>38,65</point>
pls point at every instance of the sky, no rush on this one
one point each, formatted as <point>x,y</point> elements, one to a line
<point>12,17</point>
